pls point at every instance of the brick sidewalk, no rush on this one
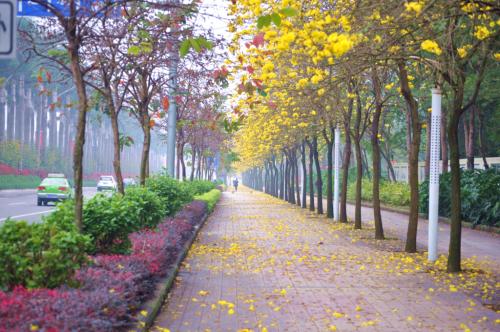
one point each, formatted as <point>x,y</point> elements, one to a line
<point>261,264</point>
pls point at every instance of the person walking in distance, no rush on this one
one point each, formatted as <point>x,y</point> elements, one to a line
<point>235,184</point>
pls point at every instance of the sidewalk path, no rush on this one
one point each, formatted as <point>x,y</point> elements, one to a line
<point>474,242</point>
<point>260,264</point>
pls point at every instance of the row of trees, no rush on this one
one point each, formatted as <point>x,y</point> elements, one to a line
<point>119,56</point>
<point>307,69</point>
<point>37,131</point>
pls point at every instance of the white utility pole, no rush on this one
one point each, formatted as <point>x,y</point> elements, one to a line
<point>434,174</point>
<point>172,108</point>
<point>336,169</point>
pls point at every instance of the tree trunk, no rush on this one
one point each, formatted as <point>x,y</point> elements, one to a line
<point>346,160</point>
<point>304,174</point>
<point>454,254</point>
<point>415,130</point>
<point>469,129</point>
<point>183,163</point>
<point>480,129</point>
<point>80,135</point>
<point>444,141</point>
<point>297,186</point>
<point>319,181</point>
<point>329,180</point>
<point>145,150</point>
<point>116,144</point>
<point>311,178</point>
<point>193,161</point>
<point>379,231</point>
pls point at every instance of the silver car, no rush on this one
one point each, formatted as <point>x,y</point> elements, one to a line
<point>106,183</point>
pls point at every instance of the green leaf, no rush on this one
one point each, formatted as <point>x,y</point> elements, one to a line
<point>134,50</point>
<point>195,44</point>
<point>262,92</point>
<point>184,47</point>
<point>205,43</point>
<point>289,12</point>
<point>263,21</point>
<point>276,18</point>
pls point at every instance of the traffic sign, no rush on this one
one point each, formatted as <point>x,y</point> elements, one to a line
<point>30,8</point>
<point>8,29</point>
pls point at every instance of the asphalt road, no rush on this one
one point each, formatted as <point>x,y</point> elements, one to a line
<point>21,204</point>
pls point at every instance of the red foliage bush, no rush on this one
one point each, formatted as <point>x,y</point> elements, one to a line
<point>109,289</point>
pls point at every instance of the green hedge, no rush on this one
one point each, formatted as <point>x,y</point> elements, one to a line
<point>480,196</point>
<point>40,255</point>
<point>198,187</point>
<point>19,181</point>
<point>211,198</point>
<point>391,193</point>
<point>173,194</point>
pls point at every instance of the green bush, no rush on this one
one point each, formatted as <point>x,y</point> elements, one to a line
<point>109,221</point>
<point>40,255</point>
<point>173,194</point>
<point>480,192</point>
<point>198,187</point>
<point>19,181</point>
<point>211,198</point>
<point>148,206</point>
<point>392,193</point>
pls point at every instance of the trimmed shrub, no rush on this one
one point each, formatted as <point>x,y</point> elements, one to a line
<point>480,192</point>
<point>19,181</point>
<point>211,198</point>
<point>148,206</point>
<point>392,193</point>
<point>109,289</point>
<point>39,255</point>
<point>173,194</point>
<point>109,221</point>
<point>198,187</point>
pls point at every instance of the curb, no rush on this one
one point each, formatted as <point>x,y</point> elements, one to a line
<point>482,228</point>
<point>153,306</point>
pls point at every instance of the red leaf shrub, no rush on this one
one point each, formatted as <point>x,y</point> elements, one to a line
<point>109,289</point>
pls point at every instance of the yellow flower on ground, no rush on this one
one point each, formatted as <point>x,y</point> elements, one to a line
<point>144,313</point>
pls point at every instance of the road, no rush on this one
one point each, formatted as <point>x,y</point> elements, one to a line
<point>21,204</point>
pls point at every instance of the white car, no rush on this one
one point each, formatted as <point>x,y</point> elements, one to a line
<point>106,183</point>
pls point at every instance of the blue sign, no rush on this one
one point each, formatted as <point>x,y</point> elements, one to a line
<point>30,8</point>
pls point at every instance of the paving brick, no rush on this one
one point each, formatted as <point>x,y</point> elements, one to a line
<point>262,263</point>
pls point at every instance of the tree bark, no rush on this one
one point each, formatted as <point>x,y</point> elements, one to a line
<point>469,129</point>
<point>304,174</point>
<point>319,181</point>
<point>311,177</point>
<point>329,180</point>
<point>145,150</point>
<point>116,144</point>
<point>454,254</point>
<point>379,230</point>
<point>480,129</point>
<point>359,161</point>
<point>415,129</point>
<point>444,141</point>
<point>346,161</point>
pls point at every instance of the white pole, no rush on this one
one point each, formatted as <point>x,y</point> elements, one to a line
<point>434,174</point>
<point>336,169</point>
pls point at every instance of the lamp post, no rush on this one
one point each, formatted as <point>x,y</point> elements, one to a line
<point>336,169</point>
<point>434,174</point>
